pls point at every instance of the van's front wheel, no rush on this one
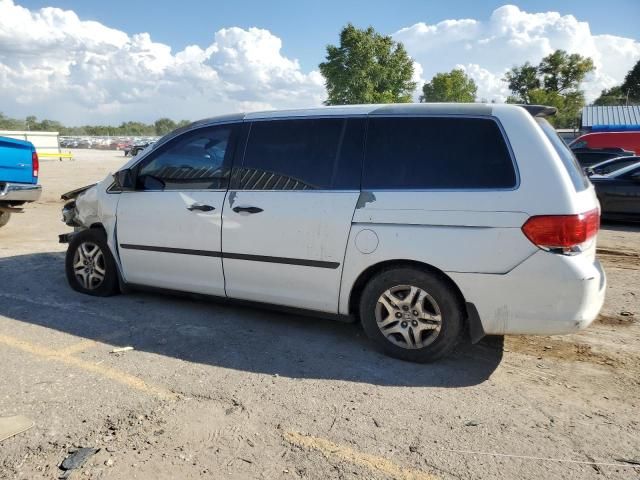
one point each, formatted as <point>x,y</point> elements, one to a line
<point>89,265</point>
<point>411,314</point>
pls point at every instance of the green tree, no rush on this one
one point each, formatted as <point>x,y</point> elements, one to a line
<point>562,72</point>
<point>8,123</point>
<point>521,81</point>
<point>164,126</point>
<point>612,96</point>
<point>367,68</point>
<point>555,81</point>
<point>631,85</point>
<point>455,86</point>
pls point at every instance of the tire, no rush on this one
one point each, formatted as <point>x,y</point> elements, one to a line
<point>421,314</point>
<point>89,249</point>
<point>4,218</point>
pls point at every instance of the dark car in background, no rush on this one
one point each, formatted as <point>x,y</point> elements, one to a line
<point>590,156</point>
<point>610,166</point>
<point>619,193</point>
<point>136,148</point>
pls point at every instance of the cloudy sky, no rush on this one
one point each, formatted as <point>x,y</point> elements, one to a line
<point>105,62</point>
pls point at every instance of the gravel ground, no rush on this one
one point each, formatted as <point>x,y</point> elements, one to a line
<point>214,391</point>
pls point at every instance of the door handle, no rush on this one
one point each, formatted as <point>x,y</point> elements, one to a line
<point>199,206</point>
<point>247,209</point>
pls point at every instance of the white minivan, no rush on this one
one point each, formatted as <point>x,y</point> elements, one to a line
<point>425,222</point>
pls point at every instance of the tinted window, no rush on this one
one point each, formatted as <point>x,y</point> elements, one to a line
<point>195,160</point>
<point>578,178</point>
<point>436,153</point>
<point>615,165</point>
<point>302,154</point>
<point>628,172</point>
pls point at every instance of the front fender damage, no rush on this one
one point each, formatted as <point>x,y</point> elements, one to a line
<point>89,207</point>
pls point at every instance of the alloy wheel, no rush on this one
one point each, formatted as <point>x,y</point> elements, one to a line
<point>408,316</point>
<point>89,265</point>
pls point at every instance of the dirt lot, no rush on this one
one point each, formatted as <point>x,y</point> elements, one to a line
<point>214,391</point>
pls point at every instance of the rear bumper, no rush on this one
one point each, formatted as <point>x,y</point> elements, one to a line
<point>547,294</point>
<point>19,192</point>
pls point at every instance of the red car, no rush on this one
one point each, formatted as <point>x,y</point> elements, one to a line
<point>625,140</point>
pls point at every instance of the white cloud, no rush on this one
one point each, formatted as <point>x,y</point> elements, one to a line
<point>487,49</point>
<point>56,65</point>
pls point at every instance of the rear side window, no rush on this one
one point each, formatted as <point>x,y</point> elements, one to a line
<point>302,154</point>
<point>578,178</point>
<point>436,153</point>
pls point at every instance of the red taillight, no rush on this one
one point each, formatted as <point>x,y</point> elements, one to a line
<point>35,164</point>
<point>562,231</point>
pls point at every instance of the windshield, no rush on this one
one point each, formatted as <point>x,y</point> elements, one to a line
<point>578,178</point>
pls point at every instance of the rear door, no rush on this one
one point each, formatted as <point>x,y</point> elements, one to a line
<point>168,230</point>
<point>15,161</point>
<point>288,213</point>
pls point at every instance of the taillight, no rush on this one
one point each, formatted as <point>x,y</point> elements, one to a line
<point>35,164</point>
<point>562,232</point>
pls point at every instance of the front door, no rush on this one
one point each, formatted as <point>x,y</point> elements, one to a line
<point>168,230</point>
<point>287,216</point>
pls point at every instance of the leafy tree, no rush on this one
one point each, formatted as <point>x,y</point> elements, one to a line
<point>521,81</point>
<point>555,81</point>
<point>613,96</point>
<point>367,67</point>
<point>7,123</point>
<point>562,72</point>
<point>164,126</point>
<point>455,86</point>
<point>631,85</point>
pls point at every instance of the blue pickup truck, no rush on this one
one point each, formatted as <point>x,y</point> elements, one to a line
<point>18,176</point>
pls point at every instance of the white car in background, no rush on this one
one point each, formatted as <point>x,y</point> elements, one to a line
<point>423,221</point>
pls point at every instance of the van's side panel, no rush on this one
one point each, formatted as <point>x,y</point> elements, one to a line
<point>475,238</point>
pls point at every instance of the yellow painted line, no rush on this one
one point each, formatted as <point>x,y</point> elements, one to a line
<point>86,344</point>
<point>114,374</point>
<point>80,346</point>
<point>55,155</point>
<point>372,462</point>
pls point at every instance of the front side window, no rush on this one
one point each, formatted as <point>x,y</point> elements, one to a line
<point>302,154</point>
<point>196,160</point>
<point>436,153</point>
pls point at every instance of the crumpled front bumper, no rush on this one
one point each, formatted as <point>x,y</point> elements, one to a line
<point>19,192</point>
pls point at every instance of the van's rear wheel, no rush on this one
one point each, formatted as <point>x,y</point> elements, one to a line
<point>89,265</point>
<point>411,314</point>
<point>4,218</point>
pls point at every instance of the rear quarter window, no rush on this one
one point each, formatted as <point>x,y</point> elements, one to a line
<point>578,178</point>
<point>437,153</point>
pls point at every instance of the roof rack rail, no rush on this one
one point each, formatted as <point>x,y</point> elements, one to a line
<point>539,110</point>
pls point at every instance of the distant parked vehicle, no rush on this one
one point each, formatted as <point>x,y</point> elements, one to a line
<point>625,140</point>
<point>619,193</point>
<point>136,148</point>
<point>590,156</point>
<point>610,166</point>
<point>19,167</point>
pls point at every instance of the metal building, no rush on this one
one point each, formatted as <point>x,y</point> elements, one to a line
<point>610,118</point>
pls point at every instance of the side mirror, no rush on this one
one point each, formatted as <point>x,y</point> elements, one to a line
<point>124,180</point>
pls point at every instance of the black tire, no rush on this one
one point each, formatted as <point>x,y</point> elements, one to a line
<point>4,218</point>
<point>448,308</point>
<point>109,284</point>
